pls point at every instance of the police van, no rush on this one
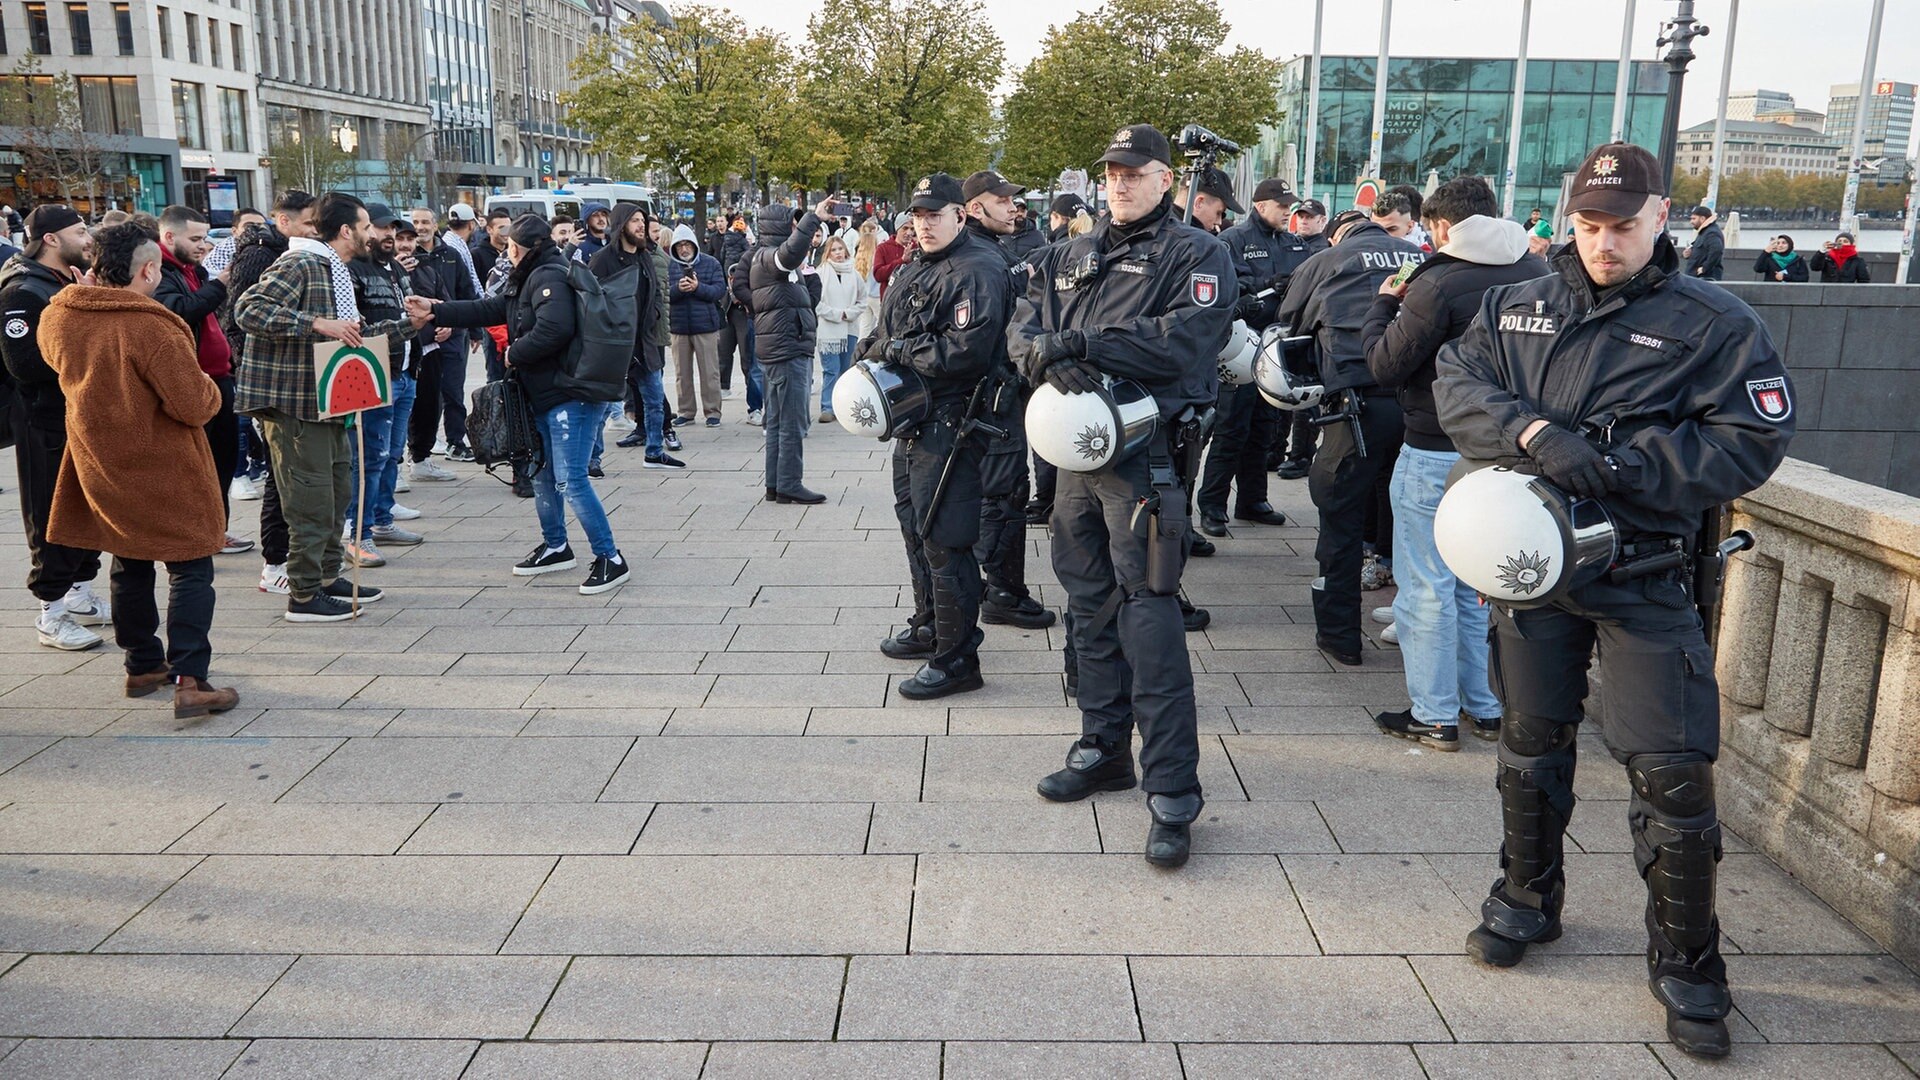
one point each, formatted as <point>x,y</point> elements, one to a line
<point>572,199</point>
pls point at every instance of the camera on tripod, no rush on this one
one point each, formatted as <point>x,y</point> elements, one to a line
<point>1196,141</point>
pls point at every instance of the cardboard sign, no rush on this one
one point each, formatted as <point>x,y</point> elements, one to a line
<point>351,379</point>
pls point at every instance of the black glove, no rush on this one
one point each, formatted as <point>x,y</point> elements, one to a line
<point>1047,349</point>
<point>1249,307</point>
<point>1073,377</point>
<point>1573,463</point>
<point>895,351</point>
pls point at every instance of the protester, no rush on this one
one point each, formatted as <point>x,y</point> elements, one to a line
<point>842,303</point>
<point>1393,212</point>
<point>1026,237</point>
<point>381,285</point>
<point>303,299</point>
<point>896,250</point>
<point>632,245</point>
<point>696,287</point>
<point>139,400</point>
<point>537,307</point>
<point>593,233</point>
<point>1779,262</point>
<point>244,219</point>
<point>785,327</point>
<point>736,338</point>
<point>443,381</point>
<point>1704,255</point>
<point>59,576</point>
<point>565,230</point>
<point>871,237</point>
<point>1838,262</point>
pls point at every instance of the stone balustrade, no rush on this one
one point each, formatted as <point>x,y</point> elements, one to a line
<point>1820,684</point>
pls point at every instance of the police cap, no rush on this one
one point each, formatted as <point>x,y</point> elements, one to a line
<point>1068,205</point>
<point>1273,190</point>
<point>1216,184</point>
<point>1137,147</point>
<point>1616,180</point>
<point>988,182</point>
<point>936,191</point>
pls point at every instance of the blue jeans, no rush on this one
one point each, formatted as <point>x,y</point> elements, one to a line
<point>1440,620</point>
<point>386,436</point>
<point>562,480</point>
<point>833,360</point>
<point>600,433</point>
<point>653,411</point>
<point>756,387</point>
<point>787,422</point>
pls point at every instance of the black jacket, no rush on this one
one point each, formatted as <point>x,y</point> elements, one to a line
<point>1796,268</point>
<point>1833,272</point>
<point>1443,296</point>
<point>1264,257</point>
<point>453,273</point>
<point>484,256</point>
<point>380,290</point>
<point>946,317</point>
<point>612,259</point>
<point>1023,242</point>
<point>1331,294</point>
<point>422,281</point>
<point>252,254</point>
<point>1152,301</point>
<point>26,286</point>
<point>1674,377</point>
<point>784,326</point>
<point>537,309</point>
<point>1704,257</point>
<point>193,305</point>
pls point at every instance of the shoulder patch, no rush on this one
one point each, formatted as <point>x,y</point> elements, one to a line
<point>1205,288</point>
<point>1770,398</point>
<point>962,313</point>
<point>16,328</point>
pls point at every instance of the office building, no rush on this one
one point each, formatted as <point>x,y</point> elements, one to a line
<point>537,40</point>
<point>1749,104</point>
<point>1889,122</point>
<point>1756,147</point>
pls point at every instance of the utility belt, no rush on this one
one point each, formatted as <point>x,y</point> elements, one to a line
<point>1346,407</point>
<point>1649,554</point>
<point>1173,460</point>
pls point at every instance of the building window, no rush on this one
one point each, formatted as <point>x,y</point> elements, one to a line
<point>166,32</point>
<point>193,38</point>
<point>187,119</point>
<point>239,47</point>
<point>37,37</point>
<point>123,28</point>
<point>233,120</point>
<point>213,43</point>
<point>110,106</point>
<point>80,26</point>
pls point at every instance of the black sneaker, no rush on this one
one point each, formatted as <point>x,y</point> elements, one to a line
<point>1402,725</point>
<point>320,608</point>
<point>595,472</point>
<point>541,561</point>
<point>628,442</point>
<point>459,452</point>
<point>342,589</point>
<point>607,574</point>
<point>663,461</point>
<point>1482,729</point>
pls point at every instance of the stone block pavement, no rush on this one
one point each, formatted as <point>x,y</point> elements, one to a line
<point>498,829</point>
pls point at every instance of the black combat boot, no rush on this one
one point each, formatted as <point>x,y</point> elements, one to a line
<point>911,643</point>
<point>1091,766</point>
<point>1168,838</point>
<point>1008,609</point>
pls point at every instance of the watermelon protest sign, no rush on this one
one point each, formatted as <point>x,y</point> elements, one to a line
<point>1366,193</point>
<point>351,378</point>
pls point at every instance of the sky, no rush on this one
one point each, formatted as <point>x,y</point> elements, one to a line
<point>1799,46</point>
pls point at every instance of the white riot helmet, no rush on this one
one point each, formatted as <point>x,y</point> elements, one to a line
<point>1520,541</point>
<point>1236,360</point>
<point>880,400</point>
<point>1086,432</point>
<point>1282,388</point>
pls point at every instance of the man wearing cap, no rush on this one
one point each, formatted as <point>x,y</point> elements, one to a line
<point>1002,548</point>
<point>1709,245</point>
<point>1211,204</point>
<point>1618,378</point>
<point>1328,301</point>
<point>945,318</point>
<point>1265,256</point>
<point>593,234</point>
<point>57,251</point>
<point>1143,297</point>
<point>1309,220</point>
<point>443,382</point>
<point>381,285</point>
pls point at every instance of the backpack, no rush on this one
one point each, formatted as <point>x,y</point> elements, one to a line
<point>502,429</point>
<point>606,325</point>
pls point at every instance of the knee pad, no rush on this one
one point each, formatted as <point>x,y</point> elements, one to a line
<point>1525,736</point>
<point>1674,786</point>
<point>1676,844</point>
<point>938,558</point>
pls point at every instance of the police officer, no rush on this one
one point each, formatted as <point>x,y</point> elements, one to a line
<point>1002,550</point>
<point>945,317</point>
<point>1265,256</point>
<point>1212,201</point>
<point>1623,379</point>
<point>1328,299</point>
<point>1294,450</point>
<point>1145,297</point>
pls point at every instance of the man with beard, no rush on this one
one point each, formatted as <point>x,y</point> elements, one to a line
<point>633,246</point>
<point>60,577</point>
<point>303,299</point>
<point>381,285</point>
<point>443,382</point>
<point>187,291</point>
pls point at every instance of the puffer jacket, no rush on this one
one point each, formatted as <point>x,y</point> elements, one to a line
<point>784,325</point>
<point>696,312</point>
<point>537,309</point>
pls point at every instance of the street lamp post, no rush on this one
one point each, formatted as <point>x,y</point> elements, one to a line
<point>1313,101</point>
<point>1380,91</point>
<point>1519,111</point>
<point>1712,201</point>
<point>1679,33</point>
<point>1850,202</point>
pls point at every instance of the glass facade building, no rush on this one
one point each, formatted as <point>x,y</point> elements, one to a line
<point>460,79</point>
<point>1451,116</point>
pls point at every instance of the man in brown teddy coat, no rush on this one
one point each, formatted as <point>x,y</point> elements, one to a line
<point>138,479</point>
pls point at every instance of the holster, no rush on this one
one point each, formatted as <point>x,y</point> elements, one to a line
<point>1165,509</point>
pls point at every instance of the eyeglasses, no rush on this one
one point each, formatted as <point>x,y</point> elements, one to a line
<point>1131,179</point>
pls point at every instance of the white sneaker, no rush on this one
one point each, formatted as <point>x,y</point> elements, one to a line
<point>59,631</point>
<point>86,608</point>
<point>236,545</point>
<point>243,489</point>
<point>401,483</point>
<point>755,418</point>
<point>1381,615</point>
<point>1390,634</point>
<point>404,513</point>
<point>273,579</point>
<point>427,470</point>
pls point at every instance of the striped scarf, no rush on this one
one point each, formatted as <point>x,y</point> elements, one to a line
<point>344,305</point>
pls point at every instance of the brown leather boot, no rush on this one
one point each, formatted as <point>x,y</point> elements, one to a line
<point>198,697</point>
<point>142,685</point>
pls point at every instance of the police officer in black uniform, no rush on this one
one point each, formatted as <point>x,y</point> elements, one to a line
<point>1144,297</point>
<point>1623,379</point>
<point>1002,550</point>
<point>1265,256</point>
<point>1328,299</point>
<point>945,317</point>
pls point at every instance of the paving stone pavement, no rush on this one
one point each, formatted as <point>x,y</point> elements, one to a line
<point>498,829</point>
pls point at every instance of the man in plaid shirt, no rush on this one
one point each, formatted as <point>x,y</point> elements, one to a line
<point>304,298</point>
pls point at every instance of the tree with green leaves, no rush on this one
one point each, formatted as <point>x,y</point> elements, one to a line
<point>787,135</point>
<point>677,99</point>
<point>1132,62</point>
<point>905,84</point>
<point>308,158</point>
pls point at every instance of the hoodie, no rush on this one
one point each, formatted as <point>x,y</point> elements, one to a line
<point>698,311</point>
<point>1402,336</point>
<point>649,298</point>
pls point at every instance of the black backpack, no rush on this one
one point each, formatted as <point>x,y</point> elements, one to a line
<point>607,322</point>
<point>502,429</point>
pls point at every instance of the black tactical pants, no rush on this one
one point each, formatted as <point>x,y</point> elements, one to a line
<point>1002,547</point>
<point>1299,436</point>
<point>1661,710</point>
<point>1342,486</point>
<point>946,576</point>
<point>1134,669</point>
<point>52,568</point>
<point>1239,454</point>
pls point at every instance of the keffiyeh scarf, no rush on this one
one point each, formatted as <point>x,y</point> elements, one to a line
<point>344,305</point>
